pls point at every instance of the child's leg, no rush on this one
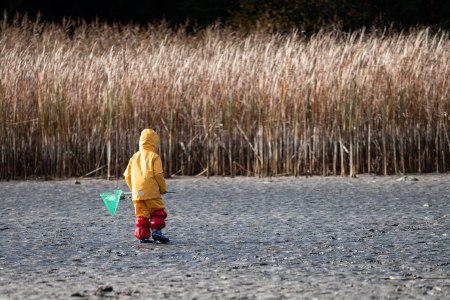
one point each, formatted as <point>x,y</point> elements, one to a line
<point>142,231</point>
<point>157,222</point>
<point>157,219</point>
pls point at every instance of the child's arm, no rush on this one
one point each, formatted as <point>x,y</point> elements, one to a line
<point>159,176</point>
<point>127,175</point>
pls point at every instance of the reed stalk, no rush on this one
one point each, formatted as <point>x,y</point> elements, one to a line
<point>224,102</point>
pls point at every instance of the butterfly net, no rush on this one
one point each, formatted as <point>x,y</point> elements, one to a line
<point>111,200</point>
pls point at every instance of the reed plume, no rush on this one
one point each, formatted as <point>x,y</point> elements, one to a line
<point>73,100</point>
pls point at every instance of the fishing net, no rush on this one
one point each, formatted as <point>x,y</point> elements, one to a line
<point>111,200</point>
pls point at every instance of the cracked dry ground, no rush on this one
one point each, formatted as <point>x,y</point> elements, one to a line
<point>232,238</point>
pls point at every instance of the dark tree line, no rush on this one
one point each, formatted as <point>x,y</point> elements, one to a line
<point>275,14</point>
<point>347,14</point>
<point>202,12</point>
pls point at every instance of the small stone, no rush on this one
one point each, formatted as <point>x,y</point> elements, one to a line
<point>77,294</point>
<point>104,289</point>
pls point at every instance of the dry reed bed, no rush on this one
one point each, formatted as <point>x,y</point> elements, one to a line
<point>74,100</point>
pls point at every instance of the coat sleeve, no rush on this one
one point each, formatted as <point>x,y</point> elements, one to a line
<point>127,175</point>
<point>159,175</point>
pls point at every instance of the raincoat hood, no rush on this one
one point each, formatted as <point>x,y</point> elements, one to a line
<point>144,174</point>
<point>149,140</point>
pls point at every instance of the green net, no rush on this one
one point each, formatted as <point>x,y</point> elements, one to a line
<point>111,200</point>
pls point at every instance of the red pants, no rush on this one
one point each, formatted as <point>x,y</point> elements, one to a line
<point>144,224</point>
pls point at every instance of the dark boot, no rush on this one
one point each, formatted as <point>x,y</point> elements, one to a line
<point>146,241</point>
<point>159,237</point>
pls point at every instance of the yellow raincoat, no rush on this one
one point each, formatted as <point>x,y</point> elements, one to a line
<point>144,175</point>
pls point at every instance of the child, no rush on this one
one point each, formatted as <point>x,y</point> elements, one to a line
<point>144,177</point>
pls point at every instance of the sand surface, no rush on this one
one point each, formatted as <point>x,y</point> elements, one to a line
<point>232,238</point>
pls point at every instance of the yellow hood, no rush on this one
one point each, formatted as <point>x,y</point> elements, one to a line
<point>144,174</point>
<point>149,140</point>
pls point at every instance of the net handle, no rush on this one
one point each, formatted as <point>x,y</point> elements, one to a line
<point>168,192</point>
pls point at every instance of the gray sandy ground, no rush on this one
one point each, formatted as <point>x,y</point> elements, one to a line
<point>242,238</point>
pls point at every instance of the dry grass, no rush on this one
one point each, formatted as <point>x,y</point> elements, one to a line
<point>225,103</point>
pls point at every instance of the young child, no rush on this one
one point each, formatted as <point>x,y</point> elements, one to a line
<point>144,177</point>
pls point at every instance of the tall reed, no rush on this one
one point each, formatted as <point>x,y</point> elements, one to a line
<point>73,100</point>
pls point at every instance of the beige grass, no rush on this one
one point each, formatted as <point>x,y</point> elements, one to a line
<point>223,102</point>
